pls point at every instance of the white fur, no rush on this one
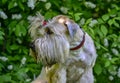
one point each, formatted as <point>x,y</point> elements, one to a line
<point>72,66</point>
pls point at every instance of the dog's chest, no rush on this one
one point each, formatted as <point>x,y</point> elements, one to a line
<point>74,73</point>
<point>75,70</point>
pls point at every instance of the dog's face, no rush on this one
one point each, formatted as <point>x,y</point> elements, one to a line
<point>52,39</point>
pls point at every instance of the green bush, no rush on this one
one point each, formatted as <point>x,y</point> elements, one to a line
<point>101,19</point>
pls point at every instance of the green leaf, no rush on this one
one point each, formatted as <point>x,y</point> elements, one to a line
<point>97,45</point>
<point>5,78</point>
<point>105,17</point>
<point>110,22</point>
<point>117,18</point>
<point>98,69</point>
<point>48,14</point>
<point>77,16</point>
<point>100,33</point>
<point>12,23</point>
<point>20,30</point>
<point>19,40</point>
<point>1,35</point>
<point>21,73</point>
<point>24,31</point>
<point>4,1</point>
<point>88,21</point>
<point>92,34</point>
<point>10,5</point>
<point>114,60</point>
<point>25,51</point>
<point>14,47</point>
<point>104,30</point>
<point>100,46</point>
<point>116,24</point>
<point>20,4</point>
<point>107,63</point>
<point>12,26</point>
<point>100,21</point>
<point>1,66</point>
<point>24,0</point>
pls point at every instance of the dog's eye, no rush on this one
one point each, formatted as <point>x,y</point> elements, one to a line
<point>48,31</point>
<point>65,24</point>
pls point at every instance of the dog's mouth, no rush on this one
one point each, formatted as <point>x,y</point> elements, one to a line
<point>52,49</point>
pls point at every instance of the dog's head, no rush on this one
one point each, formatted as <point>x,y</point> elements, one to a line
<point>51,40</point>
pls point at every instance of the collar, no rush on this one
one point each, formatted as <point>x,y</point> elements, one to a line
<point>81,44</point>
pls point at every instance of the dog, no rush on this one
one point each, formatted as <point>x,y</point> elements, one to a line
<point>67,52</point>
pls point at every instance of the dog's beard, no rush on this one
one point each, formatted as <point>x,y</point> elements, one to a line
<point>52,49</point>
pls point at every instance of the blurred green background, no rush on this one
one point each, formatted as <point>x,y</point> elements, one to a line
<point>99,18</point>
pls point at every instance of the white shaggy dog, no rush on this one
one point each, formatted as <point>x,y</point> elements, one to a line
<point>66,51</point>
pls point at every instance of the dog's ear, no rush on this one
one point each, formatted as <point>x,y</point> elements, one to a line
<point>70,24</point>
<point>72,27</point>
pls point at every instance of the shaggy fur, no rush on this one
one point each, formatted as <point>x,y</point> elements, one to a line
<point>53,42</point>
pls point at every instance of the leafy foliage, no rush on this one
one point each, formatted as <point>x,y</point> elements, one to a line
<point>101,19</point>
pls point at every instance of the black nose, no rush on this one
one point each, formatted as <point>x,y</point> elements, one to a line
<point>32,46</point>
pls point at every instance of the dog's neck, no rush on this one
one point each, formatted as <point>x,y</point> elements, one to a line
<point>77,44</point>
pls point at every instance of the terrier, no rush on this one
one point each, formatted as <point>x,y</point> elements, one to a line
<point>67,52</point>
